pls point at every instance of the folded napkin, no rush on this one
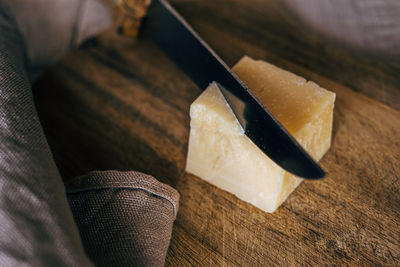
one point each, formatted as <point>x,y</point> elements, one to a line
<point>123,217</point>
<point>105,218</point>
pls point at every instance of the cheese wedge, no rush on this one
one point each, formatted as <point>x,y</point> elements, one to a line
<point>220,153</point>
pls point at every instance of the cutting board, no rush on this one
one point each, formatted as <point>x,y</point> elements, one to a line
<point>118,103</point>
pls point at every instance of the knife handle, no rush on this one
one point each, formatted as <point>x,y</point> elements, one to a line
<point>127,15</point>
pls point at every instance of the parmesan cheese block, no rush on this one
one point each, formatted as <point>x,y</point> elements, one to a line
<point>220,153</point>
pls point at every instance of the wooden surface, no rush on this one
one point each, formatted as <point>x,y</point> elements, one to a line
<point>122,104</point>
<point>270,28</point>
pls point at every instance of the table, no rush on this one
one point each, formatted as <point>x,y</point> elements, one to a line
<point>118,103</point>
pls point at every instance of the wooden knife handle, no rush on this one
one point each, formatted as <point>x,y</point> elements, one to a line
<point>128,14</point>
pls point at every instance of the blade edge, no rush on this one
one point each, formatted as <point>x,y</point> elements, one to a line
<point>289,155</point>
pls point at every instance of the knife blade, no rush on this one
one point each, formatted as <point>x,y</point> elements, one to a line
<point>190,52</point>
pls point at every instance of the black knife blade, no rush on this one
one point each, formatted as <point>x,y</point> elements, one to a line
<point>184,46</point>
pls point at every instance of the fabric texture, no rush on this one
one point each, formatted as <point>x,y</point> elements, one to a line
<point>36,224</point>
<point>124,219</point>
<point>50,28</point>
<point>372,26</point>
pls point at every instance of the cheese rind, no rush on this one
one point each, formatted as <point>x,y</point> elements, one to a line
<point>220,153</point>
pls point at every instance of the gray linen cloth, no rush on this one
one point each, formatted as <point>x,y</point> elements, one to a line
<point>123,219</point>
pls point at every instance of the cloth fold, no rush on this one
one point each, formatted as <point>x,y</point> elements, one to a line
<point>36,224</point>
<point>124,219</point>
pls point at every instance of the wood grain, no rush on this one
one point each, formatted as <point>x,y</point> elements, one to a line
<point>122,104</point>
<point>272,31</point>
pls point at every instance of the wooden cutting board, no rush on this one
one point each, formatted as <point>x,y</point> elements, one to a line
<point>122,104</point>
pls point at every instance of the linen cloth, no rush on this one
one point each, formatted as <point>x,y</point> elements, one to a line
<point>124,219</point>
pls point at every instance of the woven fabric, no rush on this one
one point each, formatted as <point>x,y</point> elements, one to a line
<point>125,218</point>
<point>36,224</point>
<point>50,28</point>
<point>368,26</point>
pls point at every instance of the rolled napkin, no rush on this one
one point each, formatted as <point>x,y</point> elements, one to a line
<point>124,219</point>
<point>36,224</point>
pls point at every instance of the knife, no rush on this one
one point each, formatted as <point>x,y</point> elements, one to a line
<point>163,24</point>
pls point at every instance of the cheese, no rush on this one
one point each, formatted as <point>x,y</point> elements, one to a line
<point>220,153</point>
